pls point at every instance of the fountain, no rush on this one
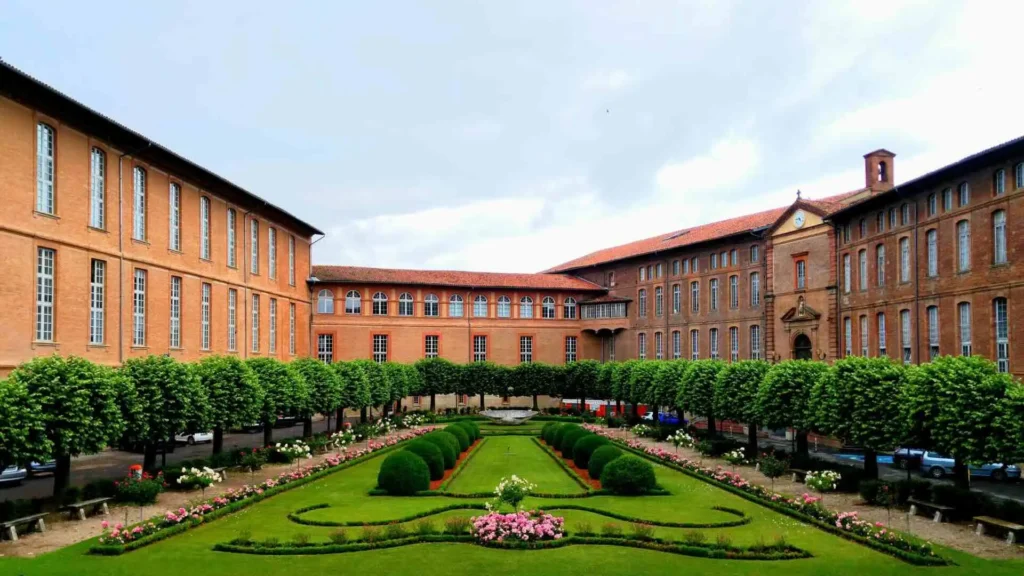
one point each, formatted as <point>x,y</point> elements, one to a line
<point>509,417</point>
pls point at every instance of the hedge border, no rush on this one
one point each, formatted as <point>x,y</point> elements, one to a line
<point>743,518</point>
<point>296,516</point>
<point>462,465</point>
<point>565,467</point>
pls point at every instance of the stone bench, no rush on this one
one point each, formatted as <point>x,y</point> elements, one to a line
<point>9,527</point>
<point>81,509</point>
<point>1010,528</point>
<point>797,474</point>
<point>938,509</point>
<point>223,471</point>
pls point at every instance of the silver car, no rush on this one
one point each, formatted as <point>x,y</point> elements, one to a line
<point>12,475</point>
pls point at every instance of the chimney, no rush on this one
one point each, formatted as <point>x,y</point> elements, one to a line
<point>878,170</point>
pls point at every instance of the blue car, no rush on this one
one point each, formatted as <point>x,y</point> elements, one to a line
<point>937,466</point>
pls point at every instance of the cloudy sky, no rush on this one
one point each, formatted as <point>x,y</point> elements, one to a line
<point>512,136</point>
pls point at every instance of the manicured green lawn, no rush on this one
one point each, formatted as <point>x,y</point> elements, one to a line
<point>502,456</point>
<point>346,493</point>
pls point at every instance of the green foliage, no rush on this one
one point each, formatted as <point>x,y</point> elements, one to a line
<point>603,384</point>
<point>736,390</point>
<point>470,428</point>
<point>584,447</point>
<point>641,381</point>
<point>22,426</point>
<point>1010,441</point>
<point>355,385</point>
<point>667,381</point>
<point>860,401</point>
<point>171,398</point>
<point>234,392</point>
<point>560,432</point>
<point>323,382</point>
<point>397,377</point>
<point>460,434</point>
<point>430,454</point>
<point>569,439</point>
<point>380,388</point>
<point>439,376</point>
<point>600,458</point>
<point>771,466</point>
<point>628,475</point>
<point>531,378</point>
<point>697,393</point>
<point>548,432</point>
<point>285,392</point>
<point>482,378</point>
<point>784,397</point>
<point>138,491</point>
<point>621,377</point>
<point>448,445</point>
<point>580,379</point>
<point>403,473</point>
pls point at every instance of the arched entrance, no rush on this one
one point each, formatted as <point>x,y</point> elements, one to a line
<point>802,347</point>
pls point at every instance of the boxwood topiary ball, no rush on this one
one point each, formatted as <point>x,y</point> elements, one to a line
<point>460,434</point>
<point>556,438</point>
<point>471,430</point>
<point>448,446</point>
<point>628,475</point>
<point>569,440</point>
<point>431,454</point>
<point>585,447</point>
<point>403,473</point>
<point>548,434</point>
<point>600,458</point>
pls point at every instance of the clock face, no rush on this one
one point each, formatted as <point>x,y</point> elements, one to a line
<point>798,219</point>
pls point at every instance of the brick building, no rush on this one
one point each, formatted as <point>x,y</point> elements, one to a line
<point>115,247</point>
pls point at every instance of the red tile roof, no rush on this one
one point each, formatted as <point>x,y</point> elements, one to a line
<point>697,234</point>
<point>606,298</point>
<point>362,275</point>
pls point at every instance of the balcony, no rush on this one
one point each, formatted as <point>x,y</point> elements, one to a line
<point>605,313</point>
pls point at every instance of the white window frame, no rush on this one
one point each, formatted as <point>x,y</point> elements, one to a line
<point>964,194</point>
<point>641,308</point>
<point>904,245</point>
<point>480,307</point>
<point>846,273</point>
<point>431,305</point>
<point>325,348</point>
<point>1000,315</point>
<point>932,251</point>
<point>677,298</point>
<point>713,343</point>
<point>174,216</point>
<point>97,188</point>
<point>999,185</point>
<point>139,308</point>
<point>456,306</point>
<point>905,337</point>
<point>205,316</point>
<point>174,340</point>
<point>659,346</point>
<point>45,147</point>
<point>325,301</point>
<point>734,343</point>
<point>380,348</point>
<point>963,245</point>
<point>406,304</point>
<point>734,291</point>
<point>755,342</point>
<point>46,261</point>
<point>880,323</point>
<point>864,336</point>
<point>479,348</point>
<point>677,344</point>
<point>353,303</point>
<point>947,199</point>
<point>139,203</point>
<point>801,274</point>
<point>569,309</point>
<point>999,237</point>
<point>862,270</point>
<point>641,345</point>
<point>380,304</point>
<point>255,323</point>
<point>232,320</point>
<point>570,349</point>
<point>291,260</point>
<point>848,336</point>
<point>933,204</point>
<point>880,265</point>
<point>97,301</point>
<point>272,328</point>
<point>755,254</point>
<point>755,289</point>
<point>659,301</point>
<point>231,232</point>
<point>291,328</point>
<point>933,332</point>
<point>431,345</point>
<point>694,344</point>
<point>525,349</point>
<point>713,294</point>
<point>964,313</point>
<point>254,246</point>
<point>695,297</point>
<point>204,227</point>
<point>547,308</point>
<point>272,252</point>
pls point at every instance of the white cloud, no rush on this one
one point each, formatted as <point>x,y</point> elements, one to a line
<point>608,80</point>
<point>482,129</point>
<point>729,163</point>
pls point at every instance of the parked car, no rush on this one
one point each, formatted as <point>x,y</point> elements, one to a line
<point>663,417</point>
<point>192,438</point>
<point>904,458</point>
<point>286,421</point>
<point>12,475</point>
<point>40,467</point>
<point>937,466</point>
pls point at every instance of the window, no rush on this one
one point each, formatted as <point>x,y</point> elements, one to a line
<point>880,222</point>
<point>204,227</point>
<point>139,204</point>
<point>97,188</point>
<point>526,348</point>
<point>1002,334</point>
<point>880,321</point>
<point>659,350</point>
<point>999,183</point>
<point>734,258</point>
<point>965,328</point>
<point>325,348</point>
<point>44,170</point>
<point>650,272</point>
<point>325,302</point>
<point>932,241</point>
<point>734,343</point>
<point>904,259</point>
<point>232,261</point>
<point>677,344</point>
<point>905,214</point>
<point>846,273</point>
<point>405,304</point>
<point>892,218</point>
<point>694,344</point>
<point>255,322</point>
<point>947,199</point>
<point>864,336</point>
<point>139,309</point>
<point>847,336</point>
<point>695,296</point>
<point>272,344</point>
<point>905,336</point>
<point>480,307</point>
<point>677,297</point>
<point>570,349</point>
<point>232,315</point>
<point>641,346</point>
<point>686,266</point>
<point>1019,175</point>
<point>353,303</point>
<point>547,307</point>
<point>933,332</point>
<point>714,261</point>
<point>659,298</point>
<point>431,305</point>
<point>97,301</point>
<point>380,304</point>
<point>643,274</point>
<point>175,316</point>
<point>174,219</point>
<point>755,254</point>
<point>846,233</point>
<point>254,247</point>
<point>455,306</point>
<point>862,271</point>
<point>880,265</point>
<point>657,270</point>
<point>272,251</point>
<point>999,237</point>
<point>695,264</point>
<point>734,292</point>
<point>755,342</point>
<point>204,317</point>
<point>504,307</point>
<point>380,348</point>
<point>479,348</point>
<point>431,345</point>
<point>569,309</point>
<point>725,259</point>
<point>713,338</point>
<point>641,308</point>
<point>291,260</point>
<point>862,228</point>
<point>933,204</point>
<point>44,293</point>
<point>801,274</point>
<point>965,194</point>
<point>675,267</point>
<point>963,244</point>
<point>291,329</point>
<point>714,294</point>
<point>755,289</point>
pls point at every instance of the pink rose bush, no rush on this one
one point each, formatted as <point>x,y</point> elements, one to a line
<point>519,526</point>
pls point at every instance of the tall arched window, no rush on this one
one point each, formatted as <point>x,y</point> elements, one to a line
<point>904,259</point>
<point>755,342</point>
<point>325,302</point>
<point>905,337</point>
<point>880,319</point>
<point>880,264</point>
<point>455,306</point>
<point>380,304</point>
<point>713,298</point>
<point>933,332</point>
<point>641,308</point>
<point>526,307</point>
<point>480,306</point>
<point>44,169</point>
<point>641,346</point>
<point>1000,314</point>
<point>677,298</point>
<point>846,273</point>
<point>862,269</point>
<point>139,203</point>
<point>659,299</point>
<point>963,245</point>
<point>932,240</point>
<point>964,308</point>
<point>713,342</point>
<point>353,303</point>
<point>965,194</point>
<point>547,307</point>
<point>431,305</point>
<point>504,307</point>
<point>755,289</point>
<point>569,309</point>
<point>734,292</point>
<point>405,304</point>
<point>999,182</point>
<point>1018,172</point>
<point>999,237</point>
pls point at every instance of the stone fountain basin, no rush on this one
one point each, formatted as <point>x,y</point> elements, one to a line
<point>509,417</point>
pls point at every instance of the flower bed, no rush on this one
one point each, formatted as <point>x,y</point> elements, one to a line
<point>520,526</point>
<point>126,538</point>
<point>806,508</point>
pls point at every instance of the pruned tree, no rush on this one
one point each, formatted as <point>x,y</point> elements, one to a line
<point>621,383</point>
<point>481,378</point>
<point>784,399</point>
<point>697,392</point>
<point>641,383</point>
<point>603,385</point>
<point>398,387</point>
<point>285,392</point>
<point>22,426</point>
<point>736,396</point>
<point>380,388</point>
<point>668,382</point>
<point>439,377</point>
<point>581,380</point>
<point>324,390</point>
<point>234,392</point>
<point>355,389</point>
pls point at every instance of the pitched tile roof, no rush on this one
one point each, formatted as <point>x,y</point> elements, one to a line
<point>363,275</point>
<point>697,234</point>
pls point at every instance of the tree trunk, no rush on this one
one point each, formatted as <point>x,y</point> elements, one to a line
<point>583,405</point>
<point>482,401</point>
<point>751,441</point>
<point>712,429</point>
<point>398,406</point>
<point>961,474</point>
<point>339,420</point>
<point>871,465</point>
<point>801,443</point>
<point>362,415</point>
<point>535,402</point>
<point>61,475</point>
<point>655,415</point>
<point>433,404</point>
<point>618,406</point>
<point>307,427</point>
<point>328,416</point>
<point>384,411</point>
<point>218,440</point>
<point>149,456</point>
<point>268,433</point>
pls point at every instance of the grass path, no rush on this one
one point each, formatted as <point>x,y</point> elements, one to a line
<point>503,456</point>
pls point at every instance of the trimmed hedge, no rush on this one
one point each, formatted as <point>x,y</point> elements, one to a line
<point>431,454</point>
<point>585,447</point>
<point>548,432</point>
<point>461,435</point>
<point>569,440</point>
<point>600,458</point>
<point>471,428</point>
<point>447,443</point>
<point>565,467</point>
<point>298,519</point>
<point>556,436</point>
<point>403,473</point>
<point>629,476</point>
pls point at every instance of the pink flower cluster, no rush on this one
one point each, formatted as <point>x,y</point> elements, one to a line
<point>519,526</point>
<point>122,535</point>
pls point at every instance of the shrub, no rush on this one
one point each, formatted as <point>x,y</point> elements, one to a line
<point>695,538</point>
<point>301,539</point>
<point>877,492</point>
<point>460,435</point>
<point>547,430</point>
<point>371,533</point>
<point>584,529</point>
<point>393,531</point>
<point>628,475</point>
<point>140,491</point>
<point>585,447</point>
<point>457,525</point>
<point>425,526</point>
<point>472,430</point>
<point>338,536</point>
<point>448,445</point>
<point>611,529</point>
<point>560,432</point>
<point>643,532</point>
<point>967,504</point>
<point>403,473</point>
<point>600,458</point>
<point>569,441</point>
<point>914,488</point>
<point>431,454</point>
<point>548,434</point>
